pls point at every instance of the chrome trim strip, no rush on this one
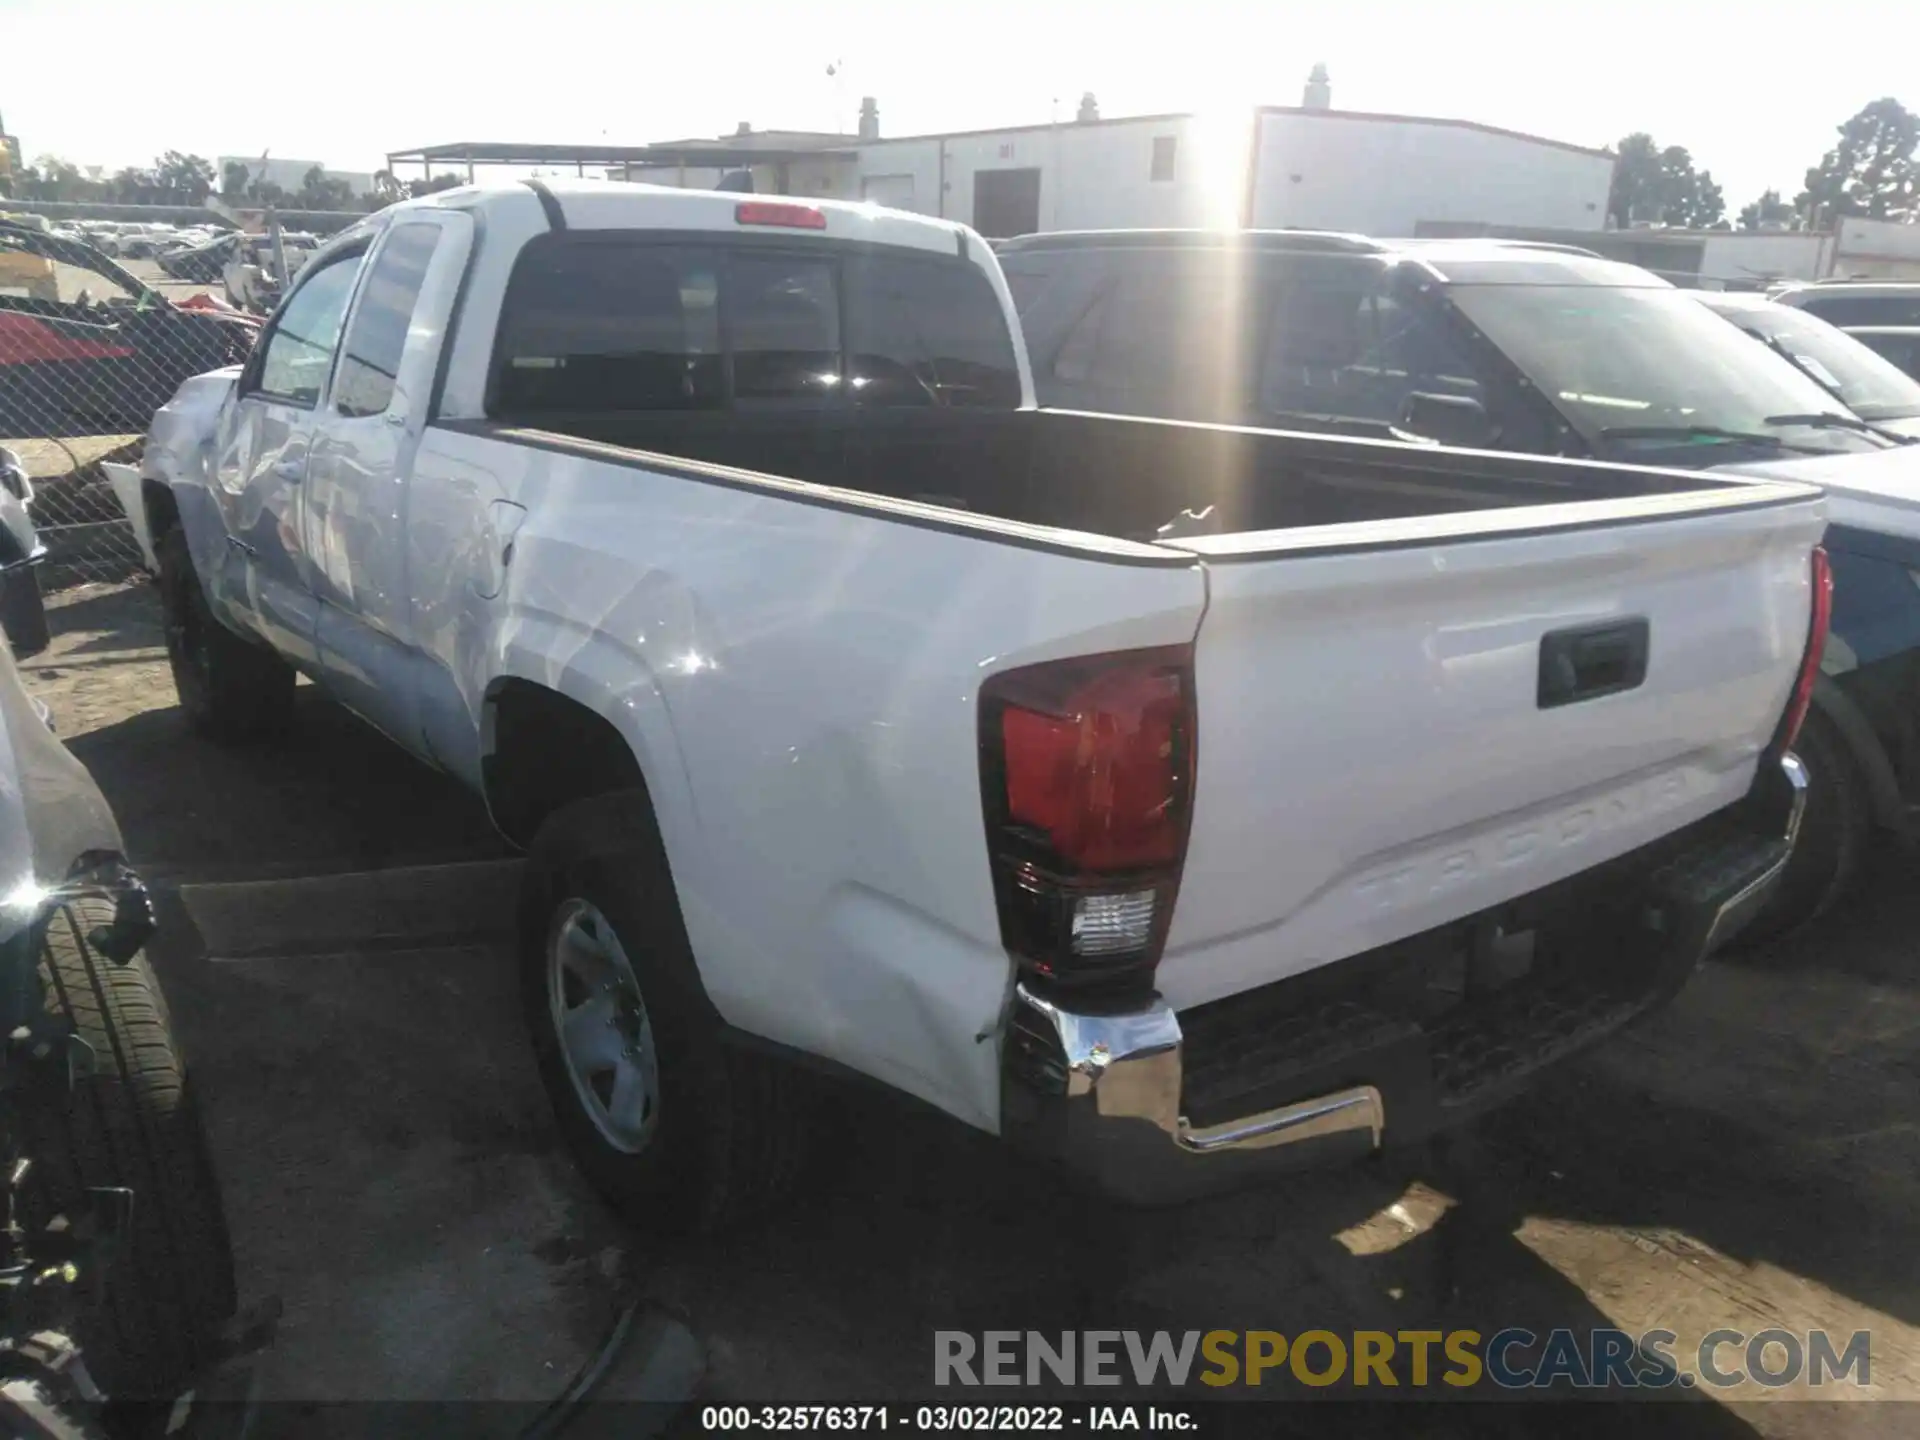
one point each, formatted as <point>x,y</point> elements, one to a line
<point>1357,1109</point>
<point>1740,907</point>
<point>1129,1067</point>
<point>1796,774</point>
<point>1101,1092</point>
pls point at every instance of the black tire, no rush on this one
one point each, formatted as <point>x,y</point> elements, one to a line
<point>231,689</point>
<point>1834,833</point>
<point>733,1126</point>
<point>153,1319</point>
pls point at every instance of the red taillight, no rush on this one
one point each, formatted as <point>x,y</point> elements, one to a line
<point>1087,778</point>
<point>766,212</point>
<point>1822,617</point>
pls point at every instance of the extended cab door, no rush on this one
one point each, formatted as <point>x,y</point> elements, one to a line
<point>355,525</point>
<point>260,460</point>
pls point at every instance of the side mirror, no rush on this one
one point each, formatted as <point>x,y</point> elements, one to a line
<point>23,614</point>
<point>1449,419</point>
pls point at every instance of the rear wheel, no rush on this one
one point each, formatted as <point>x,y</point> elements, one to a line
<point>153,1317</point>
<point>231,689</point>
<point>1834,833</point>
<point>675,1128</point>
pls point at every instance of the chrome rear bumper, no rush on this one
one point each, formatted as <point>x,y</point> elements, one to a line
<point>1110,1095</point>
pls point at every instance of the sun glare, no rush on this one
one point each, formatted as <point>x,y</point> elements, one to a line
<point>1223,148</point>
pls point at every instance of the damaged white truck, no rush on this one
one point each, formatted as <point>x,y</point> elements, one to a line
<point>851,709</point>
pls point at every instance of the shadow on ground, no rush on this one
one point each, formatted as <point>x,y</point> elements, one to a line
<point>391,1169</point>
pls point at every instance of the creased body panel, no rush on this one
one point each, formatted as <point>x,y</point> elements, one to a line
<point>808,676</point>
<point>1374,759</point>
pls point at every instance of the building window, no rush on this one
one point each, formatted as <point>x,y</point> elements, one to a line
<point>1163,148</point>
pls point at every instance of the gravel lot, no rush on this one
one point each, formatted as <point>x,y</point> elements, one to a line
<point>1749,1158</point>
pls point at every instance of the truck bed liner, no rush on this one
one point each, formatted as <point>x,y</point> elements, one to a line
<point>1123,477</point>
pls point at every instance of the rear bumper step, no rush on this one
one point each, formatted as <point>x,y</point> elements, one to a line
<point>1157,1106</point>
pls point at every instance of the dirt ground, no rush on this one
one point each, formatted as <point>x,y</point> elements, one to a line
<point>1749,1158</point>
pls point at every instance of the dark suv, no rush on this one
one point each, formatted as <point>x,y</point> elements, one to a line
<point>1492,344</point>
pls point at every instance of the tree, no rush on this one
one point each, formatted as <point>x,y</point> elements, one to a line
<point>189,177</point>
<point>133,186</point>
<point>1769,210</point>
<point>1873,171</point>
<point>1661,186</point>
<point>51,178</point>
<point>319,191</point>
<point>233,180</point>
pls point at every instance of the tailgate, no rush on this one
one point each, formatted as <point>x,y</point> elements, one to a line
<point>1378,754</point>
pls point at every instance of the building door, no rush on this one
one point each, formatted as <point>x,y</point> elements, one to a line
<point>893,191</point>
<point>1006,202</point>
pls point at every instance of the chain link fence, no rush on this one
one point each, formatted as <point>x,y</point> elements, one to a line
<point>91,345</point>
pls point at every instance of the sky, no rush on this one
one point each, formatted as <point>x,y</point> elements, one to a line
<point>1754,91</point>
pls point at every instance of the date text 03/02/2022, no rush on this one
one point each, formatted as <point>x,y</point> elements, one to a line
<point>929,1419</point>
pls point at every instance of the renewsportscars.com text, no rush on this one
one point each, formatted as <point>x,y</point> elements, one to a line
<point>1511,1359</point>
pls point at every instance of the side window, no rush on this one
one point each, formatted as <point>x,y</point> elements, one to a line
<point>1172,339</point>
<point>1321,353</point>
<point>1864,309</point>
<point>928,332</point>
<point>599,323</point>
<point>1073,362</point>
<point>1901,347</point>
<point>1340,346</point>
<point>1026,286</point>
<point>783,317</point>
<point>377,338</point>
<point>299,352</point>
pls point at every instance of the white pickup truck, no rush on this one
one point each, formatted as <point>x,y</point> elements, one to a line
<point>1184,802</point>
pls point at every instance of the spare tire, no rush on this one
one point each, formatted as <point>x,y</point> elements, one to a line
<point>152,1319</point>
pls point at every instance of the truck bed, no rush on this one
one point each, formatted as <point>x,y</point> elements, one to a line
<point>1122,477</point>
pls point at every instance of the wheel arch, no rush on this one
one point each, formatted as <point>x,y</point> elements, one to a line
<point>544,745</point>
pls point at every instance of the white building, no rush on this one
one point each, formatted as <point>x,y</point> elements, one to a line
<point>1308,166</point>
<point>290,175</point>
<point>1854,249</point>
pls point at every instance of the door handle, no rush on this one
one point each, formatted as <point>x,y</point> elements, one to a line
<point>291,469</point>
<point>1590,661</point>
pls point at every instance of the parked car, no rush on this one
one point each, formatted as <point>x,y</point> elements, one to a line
<point>251,275</point>
<point>201,263</point>
<point>1854,374</point>
<point>1882,314</point>
<point>116,1242</point>
<point>1512,346</point>
<point>1848,303</point>
<point>1899,345</point>
<point>94,350</point>
<point>1183,803</point>
<point>146,242</point>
